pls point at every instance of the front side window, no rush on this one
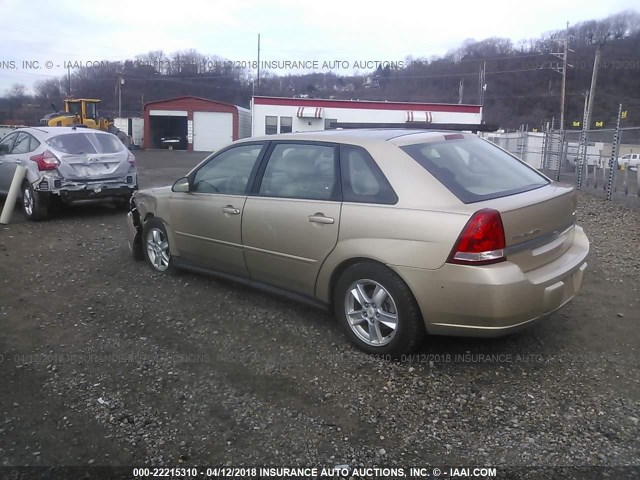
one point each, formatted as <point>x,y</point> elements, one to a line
<point>8,141</point>
<point>286,125</point>
<point>474,169</point>
<point>362,179</point>
<point>301,171</point>
<point>75,108</point>
<point>228,172</point>
<point>270,125</point>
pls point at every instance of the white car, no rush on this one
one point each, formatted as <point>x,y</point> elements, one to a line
<point>67,163</point>
<point>630,161</point>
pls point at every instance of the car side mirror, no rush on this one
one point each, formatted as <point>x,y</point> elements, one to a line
<point>181,185</point>
<point>4,148</point>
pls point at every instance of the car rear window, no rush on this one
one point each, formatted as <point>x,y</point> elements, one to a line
<point>474,169</point>
<point>86,142</point>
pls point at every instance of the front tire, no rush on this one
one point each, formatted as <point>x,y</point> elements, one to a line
<point>377,311</point>
<point>35,205</point>
<point>155,245</point>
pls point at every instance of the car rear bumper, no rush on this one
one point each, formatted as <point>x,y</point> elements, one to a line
<point>84,190</point>
<point>96,193</point>
<point>497,299</point>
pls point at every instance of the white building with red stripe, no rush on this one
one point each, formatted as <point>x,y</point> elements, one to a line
<point>271,115</point>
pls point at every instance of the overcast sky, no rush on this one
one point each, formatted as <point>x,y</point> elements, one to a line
<point>85,31</point>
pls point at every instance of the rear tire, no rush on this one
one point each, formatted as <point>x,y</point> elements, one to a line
<point>377,311</point>
<point>35,205</point>
<point>155,245</point>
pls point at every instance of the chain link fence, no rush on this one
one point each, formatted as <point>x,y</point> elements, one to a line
<point>603,162</point>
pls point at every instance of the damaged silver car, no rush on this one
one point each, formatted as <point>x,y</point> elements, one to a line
<point>66,163</point>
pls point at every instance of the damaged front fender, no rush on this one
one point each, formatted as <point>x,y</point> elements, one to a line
<point>134,232</point>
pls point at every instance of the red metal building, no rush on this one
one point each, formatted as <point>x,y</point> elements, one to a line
<point>199,123</point>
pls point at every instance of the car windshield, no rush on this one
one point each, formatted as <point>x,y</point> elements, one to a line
<point>86,142</point>
<point>474,169</point>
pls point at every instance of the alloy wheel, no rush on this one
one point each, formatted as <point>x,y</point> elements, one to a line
<point>27,200</point>
<point>371,312</point>
<point>158,249</point>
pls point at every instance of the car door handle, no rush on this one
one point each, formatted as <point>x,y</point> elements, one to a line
<point>320,218</point>
<point>231,210</point>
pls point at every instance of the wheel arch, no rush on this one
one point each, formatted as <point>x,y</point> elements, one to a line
<point>410,320</point>
<point>344,265</point>
<point>167,226</point>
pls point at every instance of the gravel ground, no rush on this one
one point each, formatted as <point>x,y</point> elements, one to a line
<point>104,362</point>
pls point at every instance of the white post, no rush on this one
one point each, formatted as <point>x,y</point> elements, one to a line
<point>12,195</point>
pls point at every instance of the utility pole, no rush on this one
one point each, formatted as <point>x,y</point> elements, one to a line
<point>594,77</point>
<point>563,70</point>
<point>69,81</point>
<point>482,78</point>
<point>258,80</point>
<point>120,83</point>
<point>564,76</point>
<point>460,91</point>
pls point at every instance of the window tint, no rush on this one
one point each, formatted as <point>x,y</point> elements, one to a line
<point>285,124</point>
<point>34,143</point>
<point>86,142</point>
<point>474,169</point>
<point>270,125</point>
<point>227,173</point>
<point>108,143</point>
<point>362,179</point>
<point>301,171</point>
<point>75,108</point>
<point>91,110</point>
<point>22,144</point>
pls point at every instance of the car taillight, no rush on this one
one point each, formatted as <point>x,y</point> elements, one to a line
<point>131,159</point>
<point>46,161</point>
<point>482,240</point>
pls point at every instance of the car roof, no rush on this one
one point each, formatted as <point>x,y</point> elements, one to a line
<point>365,136</point>
<point>51,131</point>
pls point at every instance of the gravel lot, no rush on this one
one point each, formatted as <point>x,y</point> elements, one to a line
<point>104,362</point>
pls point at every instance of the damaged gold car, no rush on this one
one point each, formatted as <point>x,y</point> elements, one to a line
<point>399,232</point>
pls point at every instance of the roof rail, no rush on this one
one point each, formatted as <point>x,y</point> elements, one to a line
<point>473,127</point>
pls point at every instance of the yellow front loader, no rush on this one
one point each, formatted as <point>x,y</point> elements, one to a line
<point>83,112</point>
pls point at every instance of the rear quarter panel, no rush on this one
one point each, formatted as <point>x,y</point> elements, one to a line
<point>418,231</point>
<point>392,236</point>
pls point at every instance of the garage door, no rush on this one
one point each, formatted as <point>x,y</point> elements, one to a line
<point>212,130</point>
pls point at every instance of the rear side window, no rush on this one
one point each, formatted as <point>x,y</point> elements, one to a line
<point>86,142</point>
<point>304,171</point>
<point>474,169</point>
<point>362,179</point>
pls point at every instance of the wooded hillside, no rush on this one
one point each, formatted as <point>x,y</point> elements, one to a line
<point>522,87</point>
